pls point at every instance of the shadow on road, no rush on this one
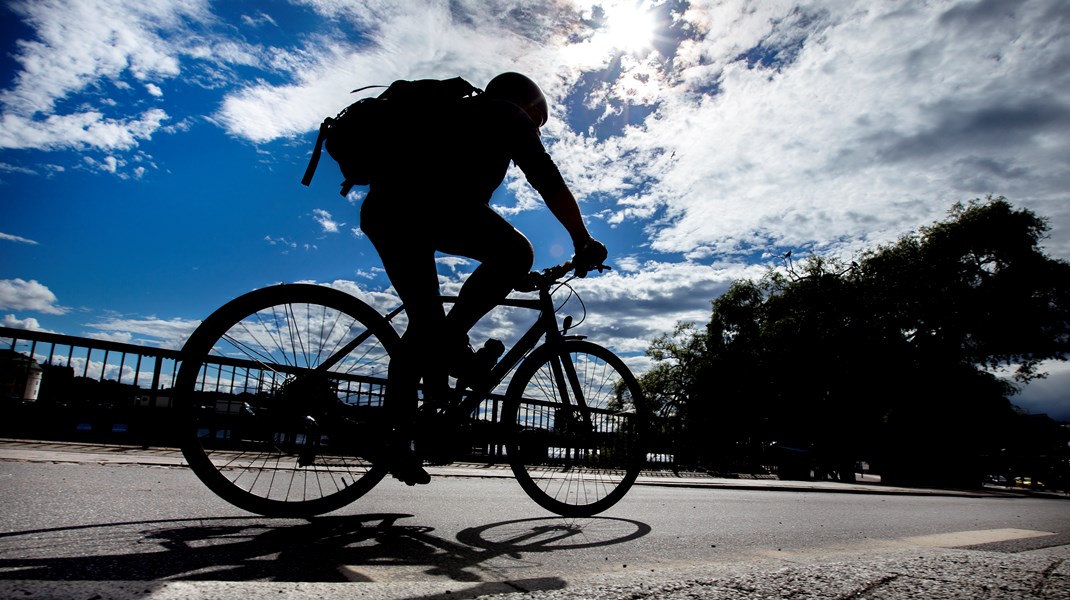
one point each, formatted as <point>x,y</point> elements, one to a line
<point>372,547</point>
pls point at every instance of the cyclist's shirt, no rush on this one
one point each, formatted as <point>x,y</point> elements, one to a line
<point>464,153</point>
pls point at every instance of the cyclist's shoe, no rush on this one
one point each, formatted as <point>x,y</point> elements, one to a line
<point>407,468</point>
<point>470,365</point>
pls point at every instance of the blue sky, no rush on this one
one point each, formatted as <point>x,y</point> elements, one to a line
<point>151,152</point>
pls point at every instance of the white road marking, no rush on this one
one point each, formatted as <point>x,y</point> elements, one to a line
<point>958,539</point>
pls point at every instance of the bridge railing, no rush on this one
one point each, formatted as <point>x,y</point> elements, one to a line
<point>150,369</point>
<point>55,386</point>
<point>103,390</point>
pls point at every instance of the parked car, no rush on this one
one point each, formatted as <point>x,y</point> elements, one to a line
<point>1028,482</point>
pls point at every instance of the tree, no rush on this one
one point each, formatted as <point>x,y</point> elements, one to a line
<point>677,357</point>
<point>891,357</point>
<point>669,384</point>
<point>976,287</point>
<point>789,346</point>
<point>964,297</point>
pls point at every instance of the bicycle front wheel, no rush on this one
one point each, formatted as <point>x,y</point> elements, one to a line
<point>281,396</point>
<point>574,420</point>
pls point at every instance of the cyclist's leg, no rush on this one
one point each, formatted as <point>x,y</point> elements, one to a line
<point>409,260</point>
<point>505,256</point>
<point>406,236</point>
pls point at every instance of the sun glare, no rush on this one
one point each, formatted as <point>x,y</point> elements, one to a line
<point>629,26</point>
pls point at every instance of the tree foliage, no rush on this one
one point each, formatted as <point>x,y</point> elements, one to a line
<point>890,358</point>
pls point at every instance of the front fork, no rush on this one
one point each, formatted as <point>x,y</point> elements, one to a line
<point>573,419</point>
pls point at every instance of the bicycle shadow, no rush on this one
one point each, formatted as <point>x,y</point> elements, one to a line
<point>360,548</point>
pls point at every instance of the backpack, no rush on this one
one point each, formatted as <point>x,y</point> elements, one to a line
<point>355,137</point>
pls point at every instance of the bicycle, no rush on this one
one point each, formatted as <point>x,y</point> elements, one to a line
<point>282,391</point>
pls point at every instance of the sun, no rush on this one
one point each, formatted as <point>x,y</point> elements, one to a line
<point>629,26</point>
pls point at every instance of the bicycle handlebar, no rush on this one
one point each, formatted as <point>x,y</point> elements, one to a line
<point>537,280</point>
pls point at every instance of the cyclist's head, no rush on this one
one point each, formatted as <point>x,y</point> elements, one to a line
<point>521,91</point>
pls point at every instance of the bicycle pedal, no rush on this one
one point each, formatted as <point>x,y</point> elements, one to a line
<point>474,365</point>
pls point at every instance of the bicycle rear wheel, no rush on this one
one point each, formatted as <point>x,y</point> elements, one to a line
<point>281,395</point>
<point>575,420</point>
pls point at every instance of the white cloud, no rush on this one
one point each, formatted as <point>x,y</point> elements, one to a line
<point>384,301</point>
<point>864,133</point>
<point>163,333</point>
<point>409,41</point>
<point>118,164</point>
<point>626,309</point>
<point>261,18</point>
<point>78,42</point>
<point>29,323</point>
<point>19,294</point>
<point>453,263</point>
<point>326,221</point>
<point>812,125</point>
<point>9,168</point>
<point>280,241</point>
<point>79,130</point>
<point>7,237</point>
<point>88,47</point>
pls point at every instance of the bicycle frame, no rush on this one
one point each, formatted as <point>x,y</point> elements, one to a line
<point>571,425</point>
<point>544,326</point>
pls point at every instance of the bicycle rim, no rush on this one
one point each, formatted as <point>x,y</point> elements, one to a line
<point>574,462</point>
<point>281,392</point>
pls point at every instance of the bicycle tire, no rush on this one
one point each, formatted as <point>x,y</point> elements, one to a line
<point>260,425</point>
<point>568,463</point>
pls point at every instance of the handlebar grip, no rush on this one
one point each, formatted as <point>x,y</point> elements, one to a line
<point>536,279</point>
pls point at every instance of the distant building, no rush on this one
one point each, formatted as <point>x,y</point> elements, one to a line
<point>20,376</point>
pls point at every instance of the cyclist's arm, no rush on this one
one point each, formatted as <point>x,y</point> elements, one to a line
<point>542,173</point>
<point>563,205</point>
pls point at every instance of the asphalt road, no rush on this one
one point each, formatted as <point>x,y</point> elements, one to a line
<point>76,526</point>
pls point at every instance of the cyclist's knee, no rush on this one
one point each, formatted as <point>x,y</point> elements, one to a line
<point>525,257</point>
<point>518,256</point>
<point>508,260</point>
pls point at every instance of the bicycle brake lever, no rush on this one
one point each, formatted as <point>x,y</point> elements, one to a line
<point>582,272</point>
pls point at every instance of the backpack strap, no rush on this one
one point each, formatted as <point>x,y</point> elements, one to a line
<point>316,151</point>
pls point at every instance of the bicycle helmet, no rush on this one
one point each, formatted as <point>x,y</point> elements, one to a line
<point>521,91</point>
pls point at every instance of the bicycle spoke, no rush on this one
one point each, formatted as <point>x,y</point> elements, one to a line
<point>266,432</point>
<point>575,446</point>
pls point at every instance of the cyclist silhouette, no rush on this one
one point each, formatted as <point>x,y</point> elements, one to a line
<point>463,152</point>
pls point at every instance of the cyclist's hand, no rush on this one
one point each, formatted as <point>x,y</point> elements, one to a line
<point>590,256</point>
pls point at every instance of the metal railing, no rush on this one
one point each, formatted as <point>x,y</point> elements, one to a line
<point>149,369</point>
<point>65,387</point>
<point>112,391</point>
